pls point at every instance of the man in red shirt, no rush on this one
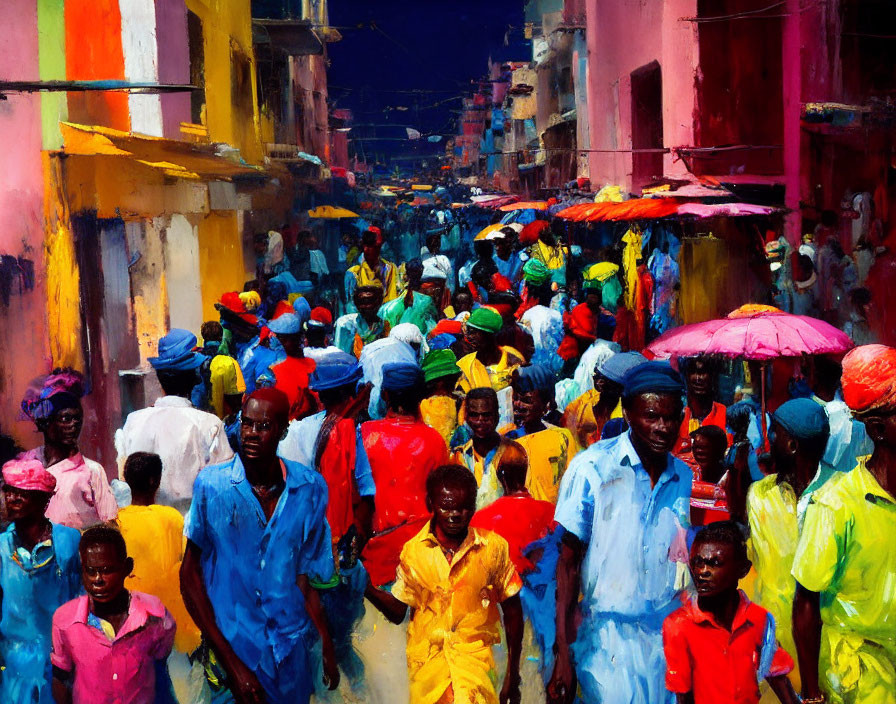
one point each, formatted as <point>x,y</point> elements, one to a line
<point>402,451</point>
<point>292,374</point>
<point>720,645</point>
<point>701,409</point>
<point>526,524</point>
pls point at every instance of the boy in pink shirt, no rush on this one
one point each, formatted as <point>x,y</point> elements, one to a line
<point>110,646</point>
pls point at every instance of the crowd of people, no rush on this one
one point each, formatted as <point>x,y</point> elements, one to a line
<point>480,451</point>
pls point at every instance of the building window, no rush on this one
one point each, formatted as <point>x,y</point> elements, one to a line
<point>647,124</point>
<point>197,66</point>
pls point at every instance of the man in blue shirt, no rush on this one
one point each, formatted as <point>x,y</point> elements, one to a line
<point>256,537</point>
<point>624,504</point>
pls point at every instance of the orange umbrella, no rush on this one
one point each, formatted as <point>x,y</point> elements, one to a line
<point>525,205</point>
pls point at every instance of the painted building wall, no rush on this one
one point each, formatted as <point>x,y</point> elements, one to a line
<point>23,326</point>
<point>623,36</point>
<point>230,92</point>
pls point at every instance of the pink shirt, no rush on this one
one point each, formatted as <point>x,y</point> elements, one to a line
<point>119,671</point>
<point>83,497</point>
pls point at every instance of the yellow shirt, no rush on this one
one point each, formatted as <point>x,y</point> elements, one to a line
<point>485,469</point>
<point>774,533</point>
<point>455,618</point>
<point>847,552</point>
<point>579,418</point>
<point>155,539</point>
<point>549,452</point>
<point>440,412</point>
<point>476,374</point>
<point>387,275</point>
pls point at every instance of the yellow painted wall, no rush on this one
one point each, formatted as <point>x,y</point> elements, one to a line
<point>222,265</point>
<point>149,292</point>
<point>63,293</point>
<point>227,27</point>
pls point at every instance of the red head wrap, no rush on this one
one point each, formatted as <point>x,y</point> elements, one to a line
<point>869,379</point>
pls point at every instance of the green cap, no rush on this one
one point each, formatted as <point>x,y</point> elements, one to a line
<point>485,319</point>
<point>439,363</point>
<point>536,273</point>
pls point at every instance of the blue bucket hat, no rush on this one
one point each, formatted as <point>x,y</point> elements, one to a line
<point>803,418</point>
<point>616,367</point>
<point>335,370</point>
<point>400,376</point>
<point>286,324</point>
<point>302,309</point>
<point>176,352</point>
<point>652,378</point>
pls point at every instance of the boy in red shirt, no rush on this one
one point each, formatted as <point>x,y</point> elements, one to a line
<point>720,645</point>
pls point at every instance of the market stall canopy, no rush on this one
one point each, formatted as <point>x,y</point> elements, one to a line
<point>634,209</point>
<point>421,187</point>
<point>713,210</point>
<point>172,157</point>
<point>655,208</point>
<point>494,200</point>
<point>754,332</point>
<point>331,212</point>
<point>525,205</point>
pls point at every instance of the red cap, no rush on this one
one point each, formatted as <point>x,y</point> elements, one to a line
<point>501,283</point>
<point>282,309</point>
<point>531,232</point>
<point>322,315</point>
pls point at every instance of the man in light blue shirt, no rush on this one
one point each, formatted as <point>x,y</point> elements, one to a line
<point>257,536</point>
<point>624,504</point>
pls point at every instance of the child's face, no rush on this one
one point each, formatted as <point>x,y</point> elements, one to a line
<point>103,572</point>
<point>452,509</point>
<point>706,452</point>
<point>715,568</point>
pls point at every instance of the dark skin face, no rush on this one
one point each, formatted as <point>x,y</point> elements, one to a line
<point>64,427</point>
<point>103,572</point>
<point>706,452</point>
<point>529,407</point>
<point>25,504</point>
<point>452,508</point>
<point>368,304</point>
<point>479,340</point>
<point>654,420</point>
<point>593,300</point>
<point>699,378</point>
<point>606,388</point>
<point>716,568</point>
<point>292,344</point>
<point>463,302</point>
<point>482,416</point>
<point>371,254</point>
<point>783,450</point>
<point>504,247</point>
<point>260,431</point>
<point>434,245</point>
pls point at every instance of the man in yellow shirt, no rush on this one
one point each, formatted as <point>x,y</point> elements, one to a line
<point>453,578</point>
<point>439,408</point>
<point>586,415</point>
<point>548,447</point>
<point>489,364</point>
<point>799,434</point>
<point>372,268</point>
<point>845,563</point>
<point>482,453</point>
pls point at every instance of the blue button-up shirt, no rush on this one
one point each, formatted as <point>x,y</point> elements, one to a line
<point>635,562</point>
<point>250,565</point>
<point>33,584</point>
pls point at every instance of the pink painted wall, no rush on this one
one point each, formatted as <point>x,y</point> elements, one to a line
<point>23,333</point>
<point>622,36</point>
<point>174,63</point>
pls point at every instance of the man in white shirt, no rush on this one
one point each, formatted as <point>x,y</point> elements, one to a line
<point>186,438</point>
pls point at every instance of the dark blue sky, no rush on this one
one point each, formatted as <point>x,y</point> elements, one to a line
<point>419,55</point>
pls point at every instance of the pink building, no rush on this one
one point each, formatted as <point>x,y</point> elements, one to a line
<point>730,89</point>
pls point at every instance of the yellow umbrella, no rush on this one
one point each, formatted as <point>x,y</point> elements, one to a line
<point>421,187</point>
<point>488,230</point>
<point>330,212</point>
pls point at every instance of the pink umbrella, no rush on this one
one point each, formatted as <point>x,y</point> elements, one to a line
<point>755,332</point>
